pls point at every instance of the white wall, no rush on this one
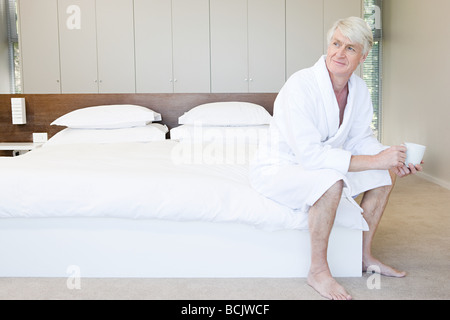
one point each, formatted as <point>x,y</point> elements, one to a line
<point>416,87</point>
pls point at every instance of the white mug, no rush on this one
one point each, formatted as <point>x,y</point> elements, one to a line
<point>414,153</point>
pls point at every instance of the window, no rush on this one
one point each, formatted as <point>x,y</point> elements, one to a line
<point>372,66</point>
<point>13,45</point>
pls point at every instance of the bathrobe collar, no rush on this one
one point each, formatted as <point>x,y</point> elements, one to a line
<point>330,102</point>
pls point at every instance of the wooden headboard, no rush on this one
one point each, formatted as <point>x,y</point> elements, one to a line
<point>42,109</point>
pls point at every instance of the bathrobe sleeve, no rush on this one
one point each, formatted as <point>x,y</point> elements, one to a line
<point>298,116</point>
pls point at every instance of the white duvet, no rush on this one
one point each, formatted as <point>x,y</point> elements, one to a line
<point>157,180</point>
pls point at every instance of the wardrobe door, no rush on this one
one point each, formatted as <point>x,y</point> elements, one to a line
<point>39,46</point>
<point>304,34</point>
<point>266,43</point>
<point>191,46</point>
<point>115,46</point>
<point>229,46</point>
<point>78,46</point>
<point>153,34</point>
<point>339,9</point>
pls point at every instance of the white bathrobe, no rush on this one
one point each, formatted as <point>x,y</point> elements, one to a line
<point>308,152</point>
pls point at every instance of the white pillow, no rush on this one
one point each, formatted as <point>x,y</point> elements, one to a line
<point>108,117</point>
<point>227,135</point>
<point>151,132</point>
<point>226,114</point>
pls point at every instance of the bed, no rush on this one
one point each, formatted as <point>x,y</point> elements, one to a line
<point>168,197</point>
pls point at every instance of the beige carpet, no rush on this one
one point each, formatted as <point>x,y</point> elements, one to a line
<point>414,236</point>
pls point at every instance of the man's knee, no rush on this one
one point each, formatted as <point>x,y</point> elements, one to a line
<point>379,195</point>
<point>337,188</point>
<point>329,201</point>
<point>388,189</point>
<point>335,191</point>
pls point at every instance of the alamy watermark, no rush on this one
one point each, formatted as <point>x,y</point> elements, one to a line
<point>374,20</point>
<point>374,281</point>
<point>220,145</point>
<point>73,281</point>
<point>73,22</point>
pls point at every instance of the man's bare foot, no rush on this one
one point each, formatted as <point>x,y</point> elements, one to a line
<point>382,268</point>
<point>325,284</point>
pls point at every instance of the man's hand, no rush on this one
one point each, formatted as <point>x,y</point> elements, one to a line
<point>392,158</point>
<point>395,158</point>
<point>403,170</point>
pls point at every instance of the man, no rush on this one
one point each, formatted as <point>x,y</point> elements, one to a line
<point>326,148</point>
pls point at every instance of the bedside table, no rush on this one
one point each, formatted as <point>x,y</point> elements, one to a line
<point>19,148</point>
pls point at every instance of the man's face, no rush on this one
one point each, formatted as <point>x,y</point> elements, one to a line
<point>343,56</point>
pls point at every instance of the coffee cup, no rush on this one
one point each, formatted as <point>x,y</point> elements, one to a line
<point>414,153</point>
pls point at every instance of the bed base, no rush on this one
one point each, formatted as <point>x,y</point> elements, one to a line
<point>119,248</point>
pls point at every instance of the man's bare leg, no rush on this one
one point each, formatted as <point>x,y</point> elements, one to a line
<point>374,202</point>
<point>321,219</point>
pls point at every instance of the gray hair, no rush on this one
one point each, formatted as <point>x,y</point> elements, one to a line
<point>356,29</point>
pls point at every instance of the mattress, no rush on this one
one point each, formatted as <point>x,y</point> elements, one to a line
<point>164,180</point>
